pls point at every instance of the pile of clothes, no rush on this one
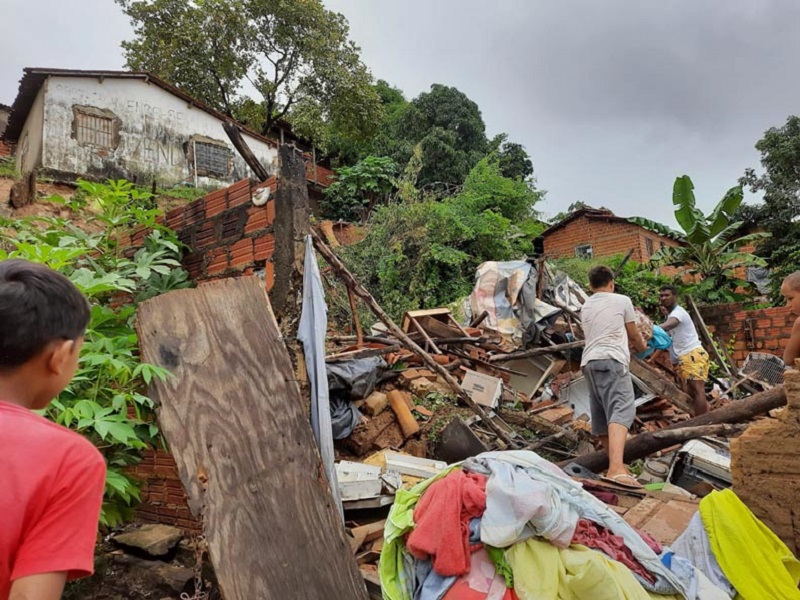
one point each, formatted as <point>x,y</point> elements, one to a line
<point>511,525</point>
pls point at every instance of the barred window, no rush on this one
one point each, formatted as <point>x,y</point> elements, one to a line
<point>95,127</point>
<point>649,243</point>
<point>584,251</point>
<point>212,160</point>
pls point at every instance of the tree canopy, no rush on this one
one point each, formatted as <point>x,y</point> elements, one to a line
<point>259,61</point>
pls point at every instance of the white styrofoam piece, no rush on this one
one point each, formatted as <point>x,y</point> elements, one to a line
<point>358,481</point>
<point>413,466</point>
<point>483,389</point>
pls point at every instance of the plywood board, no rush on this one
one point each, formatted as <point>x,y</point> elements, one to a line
<point>236,424</point>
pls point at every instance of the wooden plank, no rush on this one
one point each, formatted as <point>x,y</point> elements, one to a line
<point>244,150</point>
<point>706,336</point>
<point>236,424</point>
<point>661,386</point>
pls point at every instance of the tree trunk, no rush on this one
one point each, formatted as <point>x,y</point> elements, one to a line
<point>646,444</point>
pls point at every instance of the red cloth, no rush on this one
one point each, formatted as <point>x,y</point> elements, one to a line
<point>51,490</point>
<point>597,537</point>
<point>442,518</point>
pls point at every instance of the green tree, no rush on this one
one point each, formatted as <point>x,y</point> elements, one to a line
<point>294,54</point>
<point>778,213</point>
<point>514,160</point>
<point>358,189</point>
<point>710,243</point>
<point>423,252</point>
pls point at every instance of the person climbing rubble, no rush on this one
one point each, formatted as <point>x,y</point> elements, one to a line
<point>692,359</point>
<point>609,326</point>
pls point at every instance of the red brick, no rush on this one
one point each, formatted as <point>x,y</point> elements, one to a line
<point>175,218</point>
<point>194,212</point>
<point>242,248</point>
<point>271,211</point>
<point>264,247</point>
<point>218,261</point>
<point>256,220</point>
<point>269,270</point>
<point>215,206</point>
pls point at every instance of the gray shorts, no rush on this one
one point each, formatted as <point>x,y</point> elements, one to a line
<point>611,393</point>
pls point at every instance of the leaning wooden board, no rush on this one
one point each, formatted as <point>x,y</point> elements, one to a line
<point>236,424</point>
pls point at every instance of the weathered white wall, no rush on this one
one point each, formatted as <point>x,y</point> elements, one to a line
<point>29,147</point>
<point>155,130</point>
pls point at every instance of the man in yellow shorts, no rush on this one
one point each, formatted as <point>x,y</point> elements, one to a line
<point>692,358</point>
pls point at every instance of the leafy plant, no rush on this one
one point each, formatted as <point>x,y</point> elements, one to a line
<point>8,167</point>
<point>106,400</point>
<point>358,189</point>
<point>710,243</point>
<point>423,252</point>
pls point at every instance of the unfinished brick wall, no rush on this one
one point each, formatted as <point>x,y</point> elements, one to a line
<point>227,235</point>
<point>608,237</point>
<point>765,469</point>
<point>763,330</point>
<point>5,149</point>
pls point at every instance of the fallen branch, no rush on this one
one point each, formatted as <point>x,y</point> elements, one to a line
<point>646,444</point>
<point>352,283</point>
<point>536,351</point>
<point>362,353</point>
<point>534,422</point>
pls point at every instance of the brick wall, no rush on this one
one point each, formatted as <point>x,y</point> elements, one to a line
<point>5,149</point>
<point>763,330</point>
<point>227,235</point>
<point>608,237</point>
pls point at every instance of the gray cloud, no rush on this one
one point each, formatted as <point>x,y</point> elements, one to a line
<point>612,99</point>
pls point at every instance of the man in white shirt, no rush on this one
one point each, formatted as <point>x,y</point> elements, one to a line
<point>609,327</point>
<point>692,359</point>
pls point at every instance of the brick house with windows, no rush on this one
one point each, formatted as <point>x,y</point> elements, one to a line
<point>598,232</point>
<point>130,125</point>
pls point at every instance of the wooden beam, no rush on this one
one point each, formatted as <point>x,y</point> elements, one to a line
<point>244,150</point>
<point>235,422</point>
<point>350,281</point>
<point>537,351</point>
<point>657,383</point>
<point>646,444</point>
<point>356,320</point>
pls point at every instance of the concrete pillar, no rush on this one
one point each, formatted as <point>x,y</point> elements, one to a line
<point>292,224</point>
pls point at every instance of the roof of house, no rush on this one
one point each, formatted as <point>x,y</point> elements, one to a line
<point>33,79</point>
<point>599,214</point>
<point>594,214</point>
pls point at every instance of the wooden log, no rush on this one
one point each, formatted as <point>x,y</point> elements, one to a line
<point>244,150</point>
<point>362,353</point>
<point>359,332</point>
<point>480,319</point>
<point>350,281</point>
<point>236,425</point>
<point>646,444</point>
<point>537,351</point>
<point>403,413</point>
<point>661,386</point>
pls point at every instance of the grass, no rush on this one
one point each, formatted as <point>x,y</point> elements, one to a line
<point>8,167</point>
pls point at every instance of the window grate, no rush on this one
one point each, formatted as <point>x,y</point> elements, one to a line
<point>212,159</point>
<point>584,251</point>
<point>94,130</point>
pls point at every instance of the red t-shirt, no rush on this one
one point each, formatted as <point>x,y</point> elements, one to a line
<point>51,491</point>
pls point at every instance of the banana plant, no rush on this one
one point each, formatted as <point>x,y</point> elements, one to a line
<point>710,245</point>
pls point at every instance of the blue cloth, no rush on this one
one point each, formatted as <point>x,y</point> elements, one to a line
<point>659,341</point>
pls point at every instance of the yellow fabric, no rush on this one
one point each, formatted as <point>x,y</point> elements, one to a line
<point>694,365</point>
<point>545,572</point>
<point>755,560</point>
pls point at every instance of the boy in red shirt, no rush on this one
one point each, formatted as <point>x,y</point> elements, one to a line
<point>51,479</point>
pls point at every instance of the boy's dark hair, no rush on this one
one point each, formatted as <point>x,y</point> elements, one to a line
<point>600,277</point>
<point>37,306</point>
<point>670,288</point>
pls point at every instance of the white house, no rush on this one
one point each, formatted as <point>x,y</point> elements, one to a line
<point>121,124</point>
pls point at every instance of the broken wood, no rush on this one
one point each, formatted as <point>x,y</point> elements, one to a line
<point>534,422</point>
<point>645,444</point>
<point>536,351</point>
<point>356,320</point>
<point>480,319</point>
<point>661,386</point>
<point>231,412</point>
<point>362,353</point>
<point>405,418</point>
<point>232,129</point>
<point>350,281</point>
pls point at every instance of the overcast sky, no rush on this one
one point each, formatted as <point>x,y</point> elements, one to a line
<point>612,99</point>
